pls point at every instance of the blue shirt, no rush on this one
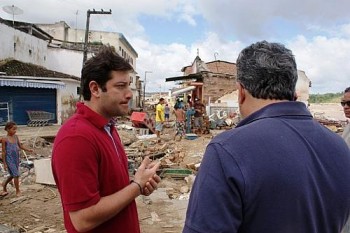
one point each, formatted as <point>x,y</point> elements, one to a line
<point>278,171</point>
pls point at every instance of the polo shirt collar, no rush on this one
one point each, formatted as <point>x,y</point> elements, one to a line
<point>280,109</point>
<point>92,116</point>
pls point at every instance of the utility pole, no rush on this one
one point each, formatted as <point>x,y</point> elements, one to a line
<point>144,88</point>
<point>88,13</point>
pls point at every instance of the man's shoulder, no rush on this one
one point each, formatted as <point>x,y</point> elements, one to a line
<point>226,136</point>
<point>76,126</point>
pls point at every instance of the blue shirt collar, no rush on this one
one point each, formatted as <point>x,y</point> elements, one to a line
<point>287,108</point>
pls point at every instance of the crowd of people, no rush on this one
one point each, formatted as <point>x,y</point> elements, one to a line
<point>188,117</point>
<point>279,170</point>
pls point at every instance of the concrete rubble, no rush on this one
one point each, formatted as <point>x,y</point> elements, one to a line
<point>177,178</point>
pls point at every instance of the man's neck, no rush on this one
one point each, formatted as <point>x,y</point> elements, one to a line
<point>252,105</point>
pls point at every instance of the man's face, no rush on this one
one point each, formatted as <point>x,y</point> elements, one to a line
<point>346,107</point>
<point>114,102</point>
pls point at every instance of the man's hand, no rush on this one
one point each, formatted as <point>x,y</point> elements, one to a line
<point>151,185</point>
<point>146,176</point>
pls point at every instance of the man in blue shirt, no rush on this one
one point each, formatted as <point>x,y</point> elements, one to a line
<point>279,170</point>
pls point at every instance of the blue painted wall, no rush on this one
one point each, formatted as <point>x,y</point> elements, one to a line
<point>22,99</point>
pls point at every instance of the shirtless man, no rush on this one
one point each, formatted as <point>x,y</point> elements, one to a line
<point>180,121</point>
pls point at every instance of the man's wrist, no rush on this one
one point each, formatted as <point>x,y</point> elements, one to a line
<point>138,184</point>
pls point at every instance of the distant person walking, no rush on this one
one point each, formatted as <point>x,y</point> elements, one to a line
<point>11,146</point>
<point>167,113</point>
<point>160,118</point>
<point>180,122</point>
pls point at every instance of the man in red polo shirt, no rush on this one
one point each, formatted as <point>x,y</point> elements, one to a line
<point>89,162</point>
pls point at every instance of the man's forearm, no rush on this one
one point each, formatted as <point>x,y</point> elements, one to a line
<point>107,207</point>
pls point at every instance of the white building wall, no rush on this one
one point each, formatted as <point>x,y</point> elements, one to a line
<point>56,30</point>
<point>65,61</point>
<point>6,42</point>
<point>66,100</point>
<point>302,87</point>
<point>29,49</point>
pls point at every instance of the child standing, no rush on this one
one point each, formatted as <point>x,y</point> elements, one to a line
<point>10,155</point>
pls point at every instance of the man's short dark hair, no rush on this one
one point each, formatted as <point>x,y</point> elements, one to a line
<point>347,90</point>
<point>99,67</point>
<point>267,71</point>
<point>161,99</point>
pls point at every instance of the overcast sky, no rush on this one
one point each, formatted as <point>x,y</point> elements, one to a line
<point>168,33</point>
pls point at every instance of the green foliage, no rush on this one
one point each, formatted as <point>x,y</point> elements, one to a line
<point>325,98</point>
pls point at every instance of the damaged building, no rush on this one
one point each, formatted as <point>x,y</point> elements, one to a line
<point>211,81</point>
<point>206,81</point>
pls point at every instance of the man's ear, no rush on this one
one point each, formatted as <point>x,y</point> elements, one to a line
<point>241,93</point>
<point>95,89</point>
<point>295,98</point>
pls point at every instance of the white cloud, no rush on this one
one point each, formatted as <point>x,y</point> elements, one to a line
<point>245,19</point>
<point>325,61</point>
<point>187,13</point>
<point>163,60</point>
<point>166,61</point>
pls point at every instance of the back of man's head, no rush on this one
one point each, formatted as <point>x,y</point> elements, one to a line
<point>267,71</point>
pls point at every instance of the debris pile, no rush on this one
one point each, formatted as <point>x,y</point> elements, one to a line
<point>335,125</point>
<point>221,120</point>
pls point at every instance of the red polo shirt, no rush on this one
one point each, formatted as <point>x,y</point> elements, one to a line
<point>86,167</point>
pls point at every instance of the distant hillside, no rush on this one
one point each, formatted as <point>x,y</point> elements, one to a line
<point>325,98</point>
